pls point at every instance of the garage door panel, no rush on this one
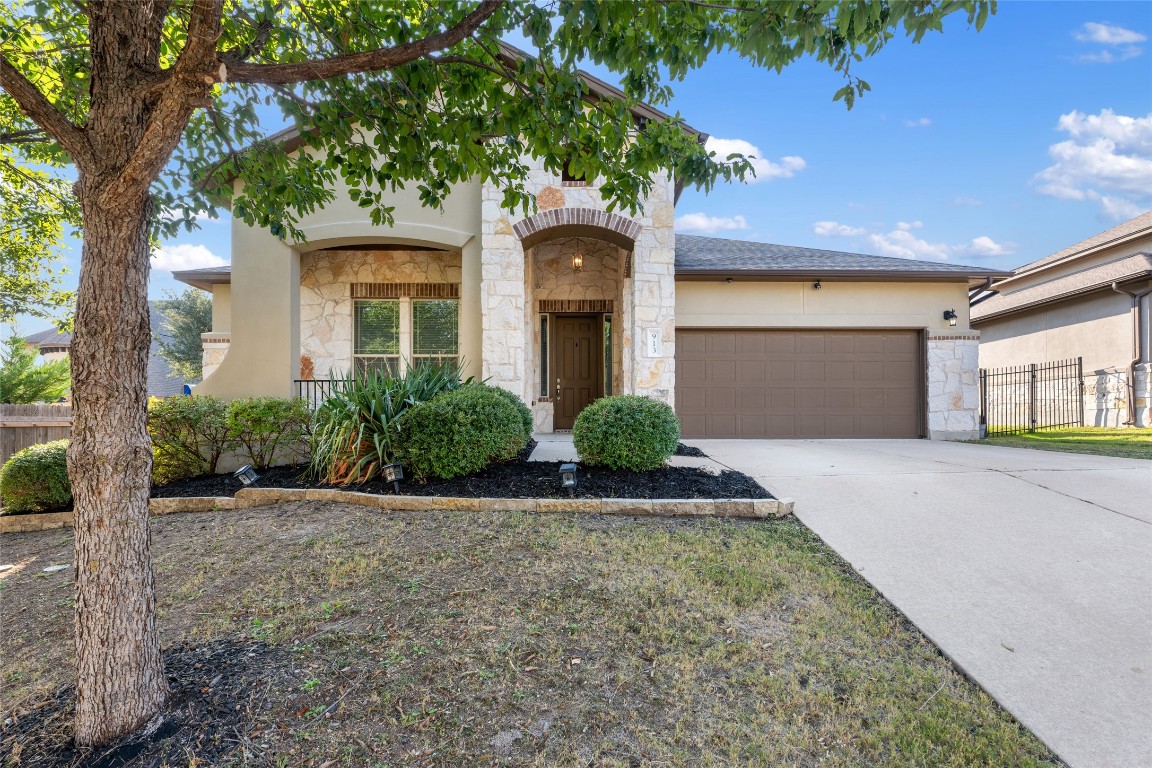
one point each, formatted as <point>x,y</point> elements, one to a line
<point>798,383</point>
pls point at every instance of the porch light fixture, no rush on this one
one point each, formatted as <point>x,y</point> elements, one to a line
<point>950,316</point>
<point>568,478</point>
<point>246,475</point>
<point>578,261</point>
<point>816,285</point>
<point>393,473</point>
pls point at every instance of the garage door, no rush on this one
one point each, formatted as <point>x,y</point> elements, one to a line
<point>798,383</point>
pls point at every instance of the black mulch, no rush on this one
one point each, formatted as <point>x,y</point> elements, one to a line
<point>688,450</point>
<point>216,689</point>
<point>514,479</point>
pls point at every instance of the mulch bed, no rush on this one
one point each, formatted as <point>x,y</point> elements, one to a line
<point>217,689</point>
<point>514,479</point>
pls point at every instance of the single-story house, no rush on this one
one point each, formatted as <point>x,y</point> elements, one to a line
<point>573,302</point>
<point>1090,301</point>
<point>54,345</point>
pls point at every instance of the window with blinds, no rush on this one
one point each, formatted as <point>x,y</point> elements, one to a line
<point>435,331</point>
<point>376,343</point>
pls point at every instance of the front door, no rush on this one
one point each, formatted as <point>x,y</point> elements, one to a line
<point>576,351</point>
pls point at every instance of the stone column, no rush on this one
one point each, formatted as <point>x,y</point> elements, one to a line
<point>471,318</point>
<point>653,299</point>
<point>953,385</point>
<point>502,304</point>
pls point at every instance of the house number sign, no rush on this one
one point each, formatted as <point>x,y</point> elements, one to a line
<point>655,342</point>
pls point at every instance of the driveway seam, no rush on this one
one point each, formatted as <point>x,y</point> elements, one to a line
<point>1068,495</point>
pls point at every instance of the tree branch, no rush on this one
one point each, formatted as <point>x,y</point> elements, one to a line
<point>368,61</point>
<point>38,108</point>
<point>31,136</point>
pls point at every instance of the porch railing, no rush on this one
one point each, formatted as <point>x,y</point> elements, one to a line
<point>315,391</point>
<point>1027,398</point>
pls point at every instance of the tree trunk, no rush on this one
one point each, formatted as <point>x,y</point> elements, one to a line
<point>120,675</point>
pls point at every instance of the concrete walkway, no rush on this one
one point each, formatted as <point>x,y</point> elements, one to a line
<point>1031,569</point>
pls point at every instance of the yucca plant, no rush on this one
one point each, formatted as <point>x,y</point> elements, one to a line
<point>355,429</point>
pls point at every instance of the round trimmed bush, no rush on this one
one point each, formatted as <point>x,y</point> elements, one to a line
<point>460,432</point>
<point>626,432</point>
<point>36,479</point>
<point>522,409</point>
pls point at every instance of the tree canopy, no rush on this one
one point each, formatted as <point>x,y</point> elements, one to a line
<point>158,104</point>
<point>186,315</point>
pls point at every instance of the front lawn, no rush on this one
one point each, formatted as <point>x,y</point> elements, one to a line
<point>1099,441</point>
<point>326,634</point>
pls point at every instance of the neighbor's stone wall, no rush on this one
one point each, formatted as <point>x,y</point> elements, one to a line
<point>953,386</point>
<point>647,299</point>
<point>326,279</point>
<point>215,347</point>
<point>1106,397</point>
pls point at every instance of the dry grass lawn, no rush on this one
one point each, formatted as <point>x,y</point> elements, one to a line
<point>449,639</point>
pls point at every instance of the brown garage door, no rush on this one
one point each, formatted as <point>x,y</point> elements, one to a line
<point>798,383</point>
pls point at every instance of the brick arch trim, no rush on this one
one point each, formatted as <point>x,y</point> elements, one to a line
<point>577,222</point>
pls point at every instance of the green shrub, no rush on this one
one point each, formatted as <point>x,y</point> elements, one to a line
<point>461,432</point>
<point>189,435</point>
<point>355,430</point>
<point>523,410</point>
<point>626,432</point>
<point>268,429</point>
<point>36,479</point>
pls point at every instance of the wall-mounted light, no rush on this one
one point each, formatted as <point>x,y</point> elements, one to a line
<point>578,261</point>
<point>727,279</point>
<point>950,316</point>
<point>816,285</point>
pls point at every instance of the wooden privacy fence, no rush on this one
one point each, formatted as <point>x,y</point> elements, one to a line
<point>1025,398</point>
<point>25,425</point>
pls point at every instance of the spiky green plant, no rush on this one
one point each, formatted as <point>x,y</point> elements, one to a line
<point>355,430</point>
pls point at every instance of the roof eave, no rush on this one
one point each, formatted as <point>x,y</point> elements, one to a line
<point>856,275</point>
<point>200,280</point>
<point>1060,297</point>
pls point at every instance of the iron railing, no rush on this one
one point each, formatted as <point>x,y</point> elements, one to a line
<point>315,391</point>
<point>1026,398</point>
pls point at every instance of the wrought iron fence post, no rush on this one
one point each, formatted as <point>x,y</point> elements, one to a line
<point>1080,388</point>
<point>1032,397</point>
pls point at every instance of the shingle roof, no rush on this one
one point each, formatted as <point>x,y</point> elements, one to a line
<point>51,337</point>
<point>1099,277</point>
<point>1130,228</point>
<point>714,255</point>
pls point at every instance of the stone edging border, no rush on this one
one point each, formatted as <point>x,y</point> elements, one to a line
<point>247,498</point>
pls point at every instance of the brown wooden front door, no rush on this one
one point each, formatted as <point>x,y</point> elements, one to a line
<point>576,356</point>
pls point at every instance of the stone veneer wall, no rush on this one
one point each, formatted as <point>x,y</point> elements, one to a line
<point>326,278</point>
<point>648,299</point>
<point>953,386</point>
<point>215,347</point>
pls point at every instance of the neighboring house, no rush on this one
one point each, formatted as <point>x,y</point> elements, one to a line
<point>54,345</point>
<point>574,303</point>
<point>1090,300</point>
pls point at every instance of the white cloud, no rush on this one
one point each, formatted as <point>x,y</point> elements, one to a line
<point>701,222</point>
<point>1107,34</point>
<point>1106,160</point>
<point>836,229</point>
<point>1123,43</point>
<point>765,169</point>
<point>920,122</point>
<point>171,258</point>
<point>986,246</point>
<point>967,202</point>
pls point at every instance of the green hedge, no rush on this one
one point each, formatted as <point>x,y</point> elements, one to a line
<point>626,432</point>
<point>269,429</point>
<point>189,435</point>
<point>36,479</point>
<point>462,431</point>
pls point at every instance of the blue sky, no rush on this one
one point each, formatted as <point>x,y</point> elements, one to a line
<point>993,148</point>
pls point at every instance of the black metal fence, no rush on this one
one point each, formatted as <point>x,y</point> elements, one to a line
<point>1025,398</point>
<point>314,391</point>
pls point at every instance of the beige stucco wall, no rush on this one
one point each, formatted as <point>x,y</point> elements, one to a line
<point>222,307</point>
<point>326,302</point>
<point>704,304</point>
<point>1096,327</point>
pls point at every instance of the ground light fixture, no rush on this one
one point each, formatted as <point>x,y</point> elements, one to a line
<point>950,316</point>
<point>568,478</point>
<point>393,473</point>
<point>246,475</point>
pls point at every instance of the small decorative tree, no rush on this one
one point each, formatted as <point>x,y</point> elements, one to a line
<point>22,381</point>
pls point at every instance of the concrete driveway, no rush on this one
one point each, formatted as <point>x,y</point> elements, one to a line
<point>1031,569</point>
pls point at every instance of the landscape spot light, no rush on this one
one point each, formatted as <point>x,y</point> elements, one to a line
<point>950,316</point>
<point>246,474</point>
<point>393,473</point>
<point>568,477</point>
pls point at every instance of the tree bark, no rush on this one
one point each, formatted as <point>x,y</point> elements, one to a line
<point>120,675</point>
